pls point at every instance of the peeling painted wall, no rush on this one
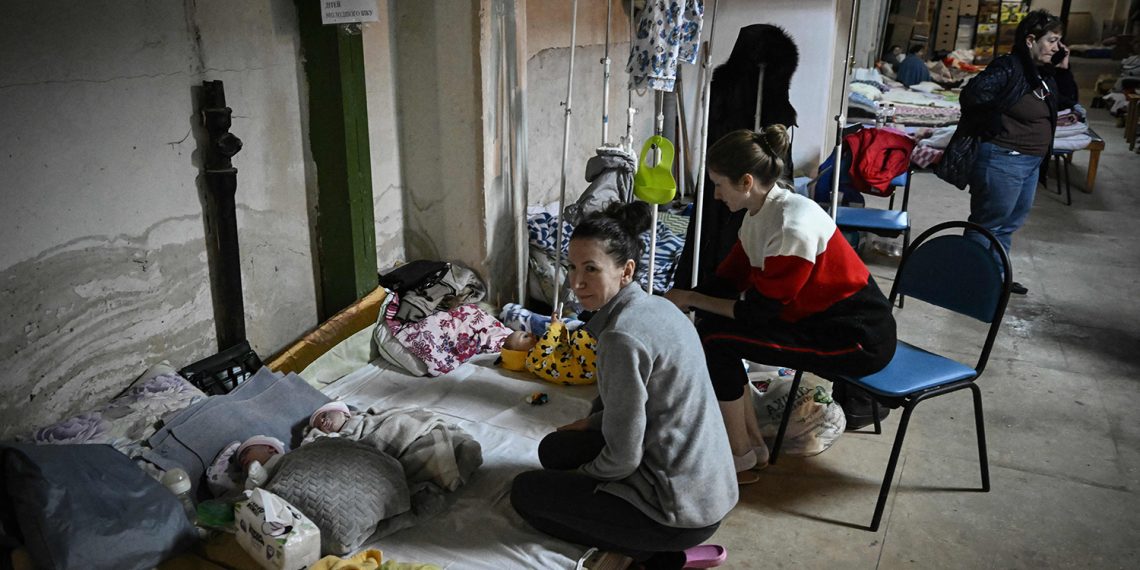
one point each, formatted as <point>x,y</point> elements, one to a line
<point>383,134</point>
<point>811,23</point>
<point>104,267</point>
<point>547,74</point>
<point>439,108</point>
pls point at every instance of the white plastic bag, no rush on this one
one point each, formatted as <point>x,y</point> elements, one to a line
<point>275,533</point>
<point>816,420</point>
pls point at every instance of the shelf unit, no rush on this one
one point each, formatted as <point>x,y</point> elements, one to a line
<point>987,26</point>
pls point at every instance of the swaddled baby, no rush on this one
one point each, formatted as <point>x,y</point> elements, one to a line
<point>560,356</point>
<point>244,465</point>
<point>430,449</point>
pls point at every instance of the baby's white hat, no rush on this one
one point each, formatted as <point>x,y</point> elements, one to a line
<point>261,440</point>
<point>334,406</point>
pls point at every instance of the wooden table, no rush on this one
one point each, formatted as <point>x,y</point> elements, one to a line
<point>1095,146</point>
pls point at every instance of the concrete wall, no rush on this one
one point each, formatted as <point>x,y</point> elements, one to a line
<point>383,134</point>
<point>811,23</point>
<point>869,42</point>
<point>104,266</point>
<point>548,69</point>
<point>439,110</point>
<point>814,26</point>
<point>1102,11</point>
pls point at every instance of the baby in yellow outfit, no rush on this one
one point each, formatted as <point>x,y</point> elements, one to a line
<point>560,356</point>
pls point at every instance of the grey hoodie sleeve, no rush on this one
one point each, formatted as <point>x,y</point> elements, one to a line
<point>623,367</point>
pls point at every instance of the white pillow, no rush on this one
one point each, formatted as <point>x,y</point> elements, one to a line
<point>348,355</point>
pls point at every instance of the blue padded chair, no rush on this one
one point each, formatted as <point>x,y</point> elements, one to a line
<point>888,223</point>
<point>955,273</point>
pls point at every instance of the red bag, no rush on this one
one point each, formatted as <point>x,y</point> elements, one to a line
<point>877,157</point>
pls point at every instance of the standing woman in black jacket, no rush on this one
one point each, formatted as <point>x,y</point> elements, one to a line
<point>1011,108</point>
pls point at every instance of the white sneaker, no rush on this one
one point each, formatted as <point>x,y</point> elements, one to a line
<point>746,468</point>
<point>744,462</point>
<point>761,452</point>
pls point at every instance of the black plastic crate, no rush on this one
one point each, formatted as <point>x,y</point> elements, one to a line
<point>224,371</point>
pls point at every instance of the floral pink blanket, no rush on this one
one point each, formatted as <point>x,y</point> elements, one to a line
<point>446,339</point>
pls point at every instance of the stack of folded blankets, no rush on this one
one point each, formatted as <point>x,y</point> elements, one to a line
<point>1071,134</point>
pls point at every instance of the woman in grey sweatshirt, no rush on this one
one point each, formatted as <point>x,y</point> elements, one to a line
<point>648,473</point>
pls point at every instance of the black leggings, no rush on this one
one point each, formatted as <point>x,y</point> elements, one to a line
<point>566,504</point>
<point>728,341</point>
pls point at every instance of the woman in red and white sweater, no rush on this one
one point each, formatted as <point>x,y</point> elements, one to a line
<point>792,292</point>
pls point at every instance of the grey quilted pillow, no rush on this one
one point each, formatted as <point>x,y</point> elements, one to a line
<point>344,486</point>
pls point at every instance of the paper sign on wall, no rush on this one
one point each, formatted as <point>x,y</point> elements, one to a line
<point>348,11</point>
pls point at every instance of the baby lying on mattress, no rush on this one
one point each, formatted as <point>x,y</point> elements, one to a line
<point>430,449</point>
<point>359,474</point>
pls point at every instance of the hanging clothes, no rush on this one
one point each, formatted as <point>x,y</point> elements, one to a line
<point>610,175</point>
<point>732,106</point>
<point>668,33</point>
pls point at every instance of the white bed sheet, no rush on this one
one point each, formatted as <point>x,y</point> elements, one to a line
<point>479,529</point>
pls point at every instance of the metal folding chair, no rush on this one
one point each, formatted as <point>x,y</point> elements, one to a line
<point>955,273</point>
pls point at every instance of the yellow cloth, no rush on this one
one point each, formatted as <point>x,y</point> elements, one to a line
<point>367,560</point>
<point>564,357</point>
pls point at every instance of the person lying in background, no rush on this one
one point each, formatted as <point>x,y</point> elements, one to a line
<point>912,69</point>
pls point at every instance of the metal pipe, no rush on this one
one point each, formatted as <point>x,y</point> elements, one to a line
<point>515,67</point>
<point>695,227</point>
<point>681,130</point>
<point>652,246</point>
<point>565,156</point>
<point>223,252</point>
<point>659,107</point>
<point>606,77</point>
<point>841,118</point>
<point>629,110</point>
<point>759,96</point>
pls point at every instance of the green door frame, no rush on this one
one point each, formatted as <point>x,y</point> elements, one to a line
<point>338,138</point>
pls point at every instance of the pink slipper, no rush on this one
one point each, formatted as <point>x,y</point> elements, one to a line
<point>705,556</point>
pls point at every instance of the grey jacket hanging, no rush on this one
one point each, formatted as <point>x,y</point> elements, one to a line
<point>610,174</point>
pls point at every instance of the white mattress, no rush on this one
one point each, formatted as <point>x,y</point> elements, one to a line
<point>480,529</point>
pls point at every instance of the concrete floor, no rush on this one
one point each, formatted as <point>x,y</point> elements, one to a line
<point>1061,397</point>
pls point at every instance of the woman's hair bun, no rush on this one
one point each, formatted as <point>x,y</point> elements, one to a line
<point>777,139</point>
<point>633,217</point>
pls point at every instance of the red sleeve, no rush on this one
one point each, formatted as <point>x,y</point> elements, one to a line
<point>736,268</point>
<point>782,278</point>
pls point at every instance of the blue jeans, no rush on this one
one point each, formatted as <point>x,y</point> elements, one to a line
<point>1002,186</point>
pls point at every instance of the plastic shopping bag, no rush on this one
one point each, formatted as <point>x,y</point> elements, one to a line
<point>816,420</point>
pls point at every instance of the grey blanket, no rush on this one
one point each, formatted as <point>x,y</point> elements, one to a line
<point>265,404</point>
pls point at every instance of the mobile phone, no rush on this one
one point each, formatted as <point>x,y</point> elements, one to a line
<point>1060,56</point>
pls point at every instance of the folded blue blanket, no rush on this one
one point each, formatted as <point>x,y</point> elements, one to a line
<point>520,318</point>
<point>265,404</point>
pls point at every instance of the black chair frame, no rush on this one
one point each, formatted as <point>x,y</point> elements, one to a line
<point>890,206</point>
<point>910,401</point>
